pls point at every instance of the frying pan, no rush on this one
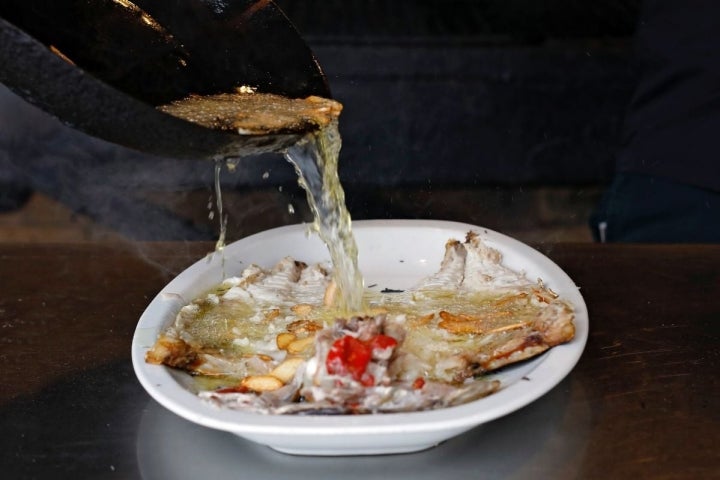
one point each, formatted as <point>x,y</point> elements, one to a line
<point>103,66</point>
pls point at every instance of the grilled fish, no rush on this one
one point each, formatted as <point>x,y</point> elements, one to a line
<point>271,341</point>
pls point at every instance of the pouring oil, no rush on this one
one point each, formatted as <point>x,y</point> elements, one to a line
<point>222,218</point>
<point>315,159</point>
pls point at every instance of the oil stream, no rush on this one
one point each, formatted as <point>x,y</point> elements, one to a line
<point>315,159</point>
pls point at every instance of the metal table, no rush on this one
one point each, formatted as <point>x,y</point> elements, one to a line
<point>642,403</point>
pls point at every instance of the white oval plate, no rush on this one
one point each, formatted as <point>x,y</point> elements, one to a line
<point>394,254</point>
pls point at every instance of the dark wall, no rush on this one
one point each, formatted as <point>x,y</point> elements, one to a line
<point>475,91</point>
<point>517,20</point>
<point>451,111</point>
<point>443,92</point>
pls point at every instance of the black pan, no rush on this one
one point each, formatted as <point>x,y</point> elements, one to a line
<point>102,66</point>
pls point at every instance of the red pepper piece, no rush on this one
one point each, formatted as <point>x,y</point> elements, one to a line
<point>382,342</point>
<point>418,383</point>
<point>348,355</point>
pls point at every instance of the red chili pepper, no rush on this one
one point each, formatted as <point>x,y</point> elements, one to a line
<point>418,383</point>
<point>382,342</point>
<point>350,356</point>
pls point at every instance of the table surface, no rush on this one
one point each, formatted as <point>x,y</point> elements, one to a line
<point>643,402</point>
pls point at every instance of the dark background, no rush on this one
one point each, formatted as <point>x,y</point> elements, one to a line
<point>515,98</point>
